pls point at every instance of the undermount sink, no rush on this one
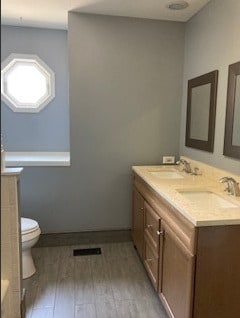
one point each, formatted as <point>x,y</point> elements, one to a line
<point>167,174</point>
<point>207,199</point>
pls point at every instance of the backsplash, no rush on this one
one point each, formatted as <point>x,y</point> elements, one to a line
<point>210,172</point>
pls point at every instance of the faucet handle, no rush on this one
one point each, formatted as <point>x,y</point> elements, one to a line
<point>195,172</point>
<point>180,161</point>
<point>224,179</point>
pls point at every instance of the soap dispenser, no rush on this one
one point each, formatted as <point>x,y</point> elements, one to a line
<point>3,165</point>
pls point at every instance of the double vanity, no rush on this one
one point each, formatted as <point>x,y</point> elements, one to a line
<point>186,230</point>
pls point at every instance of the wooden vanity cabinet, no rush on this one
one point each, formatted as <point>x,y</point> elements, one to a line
<point>138,221</point>
<point>168,253</point>
<point>195,270</point>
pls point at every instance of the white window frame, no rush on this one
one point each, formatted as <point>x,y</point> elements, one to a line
<point>45,70</point>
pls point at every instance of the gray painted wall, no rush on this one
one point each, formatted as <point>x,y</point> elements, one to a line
<point>47,130</point>
<point>125,85</point>
<point>125,91</point>
<point>212,42</point>
<point>125,103</point>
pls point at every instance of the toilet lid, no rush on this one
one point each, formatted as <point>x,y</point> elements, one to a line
<point>28,225</point>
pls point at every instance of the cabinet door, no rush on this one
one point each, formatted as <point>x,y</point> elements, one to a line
<point>138,221</point>
<point>176,269</point>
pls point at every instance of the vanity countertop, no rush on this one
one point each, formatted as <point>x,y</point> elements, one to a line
<point>169,190</point>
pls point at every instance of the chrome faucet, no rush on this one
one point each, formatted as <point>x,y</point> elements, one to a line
<point>225,180</point>
<point>232,186</point>
<point>186,165</point>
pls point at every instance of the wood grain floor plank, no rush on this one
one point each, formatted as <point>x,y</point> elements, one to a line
<point>51,255</point>
<point>120,280</point>
<point>128,280</point>
<point>106,307</point>
<point>42,313</point>
<point>64,301</point>
<point>84,289</point>
<point>118,250</point>
<point>85,311</point>
<point>46,289</point>
<point>139,309</point>
<point>127,308</point>
<point>31,283</point>
<point>101,278</point>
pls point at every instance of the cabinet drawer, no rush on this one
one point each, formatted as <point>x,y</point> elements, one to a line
<point>152,225</point>
<point>151,262</point>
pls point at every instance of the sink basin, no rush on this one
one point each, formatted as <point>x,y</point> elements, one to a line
<point>167,174</point>
<point>207,199</point>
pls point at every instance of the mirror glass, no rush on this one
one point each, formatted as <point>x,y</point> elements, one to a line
<point>200,112</point>
<point>232,123</point>
<point>201,109</point>
<point>236,117</point>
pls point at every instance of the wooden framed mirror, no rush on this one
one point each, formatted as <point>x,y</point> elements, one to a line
<point>232,121</point>
<point>201,111</point>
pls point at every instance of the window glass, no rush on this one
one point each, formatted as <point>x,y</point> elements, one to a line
<point>27,83</point>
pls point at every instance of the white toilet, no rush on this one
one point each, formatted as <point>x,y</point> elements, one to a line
<point>30,234</point>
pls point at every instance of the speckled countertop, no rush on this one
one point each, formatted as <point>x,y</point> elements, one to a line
<point>199,214</point>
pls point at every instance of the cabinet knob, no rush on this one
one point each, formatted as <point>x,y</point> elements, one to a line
<point>160,232</point>
<point>141,209</point>
<point>149,226</point>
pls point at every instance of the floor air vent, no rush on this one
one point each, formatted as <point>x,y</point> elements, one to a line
<point>87,251</point>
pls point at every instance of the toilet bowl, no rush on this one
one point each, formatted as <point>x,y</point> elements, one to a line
<point>30,234</point>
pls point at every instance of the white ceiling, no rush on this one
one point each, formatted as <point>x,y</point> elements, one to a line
<point>53,13</point>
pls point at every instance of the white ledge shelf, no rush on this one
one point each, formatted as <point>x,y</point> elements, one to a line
<point>28,159</point>
<point>11,171</point>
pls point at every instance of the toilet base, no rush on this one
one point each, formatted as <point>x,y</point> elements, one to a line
<point>28,267</point>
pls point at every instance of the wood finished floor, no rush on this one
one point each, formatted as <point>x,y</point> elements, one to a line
<point>111,285</point>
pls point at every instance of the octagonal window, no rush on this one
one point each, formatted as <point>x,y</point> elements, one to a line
<point>27,83</point>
